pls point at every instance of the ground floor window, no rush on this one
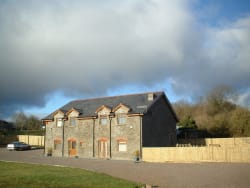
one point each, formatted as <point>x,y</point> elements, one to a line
<point>57,144</point>
<point>122,146</point>
<point>81,144</point>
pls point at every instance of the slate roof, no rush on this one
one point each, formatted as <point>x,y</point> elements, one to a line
<point>138,103</point>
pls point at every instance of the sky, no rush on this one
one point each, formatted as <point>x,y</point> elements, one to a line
<point>54,51</point>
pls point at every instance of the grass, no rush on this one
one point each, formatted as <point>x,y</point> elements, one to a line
<point>23,175</point>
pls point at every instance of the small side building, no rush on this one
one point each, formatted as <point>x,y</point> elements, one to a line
<point>111,127</point>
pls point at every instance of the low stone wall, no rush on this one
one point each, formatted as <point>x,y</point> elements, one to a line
<point>32,140</point>
<point>216,150</point>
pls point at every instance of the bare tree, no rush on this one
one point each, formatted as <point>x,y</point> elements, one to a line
<point>219,100</point>
<point>20,121</point>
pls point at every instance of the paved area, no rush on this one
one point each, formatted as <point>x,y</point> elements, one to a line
<point>171,175</point>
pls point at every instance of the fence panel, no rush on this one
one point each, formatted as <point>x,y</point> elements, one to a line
<point>217,150</point>
<point>32,140</point>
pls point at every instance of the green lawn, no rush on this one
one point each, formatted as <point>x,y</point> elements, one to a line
<point>31,175</point>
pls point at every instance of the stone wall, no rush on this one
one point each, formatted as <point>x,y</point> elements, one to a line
<point>112,133</point>
<point>89,132</point>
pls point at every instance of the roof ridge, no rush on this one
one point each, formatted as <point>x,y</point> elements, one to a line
<point>114,96</point>
<point>89,105</point>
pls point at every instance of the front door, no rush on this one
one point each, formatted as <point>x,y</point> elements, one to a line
<point>72,147</point>
<point>103,149</point>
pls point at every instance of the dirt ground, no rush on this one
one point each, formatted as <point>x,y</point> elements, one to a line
<point>170,175</point>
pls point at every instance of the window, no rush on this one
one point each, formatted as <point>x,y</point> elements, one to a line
<point>74,145</point>
<point>57,144</point>
<point>72,121</point>
<point>81,144</point>
<point>103,120</point>
<point>59,122</point>
<point>121,119</point>
<point>122,146</point>
<point>71,144</point>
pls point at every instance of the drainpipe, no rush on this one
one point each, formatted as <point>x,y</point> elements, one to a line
<point>44,136</point>
<point>141,136</point>
<point>93,137</point>
<point>63,138</point>
<point>110,141</point>
<point>110,132</point>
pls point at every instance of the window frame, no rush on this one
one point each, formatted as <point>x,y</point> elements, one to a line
<point>101,120</point>
<point>121,119</point>
<point>59,122</point>
<point>121,144</point>
<point>72,119</point>
<point>81,144</point>
<point>57,144</point>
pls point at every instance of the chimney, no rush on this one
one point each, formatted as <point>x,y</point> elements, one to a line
<point>151,96</point>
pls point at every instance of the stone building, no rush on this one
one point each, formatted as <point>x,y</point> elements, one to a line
<point>111,127</point>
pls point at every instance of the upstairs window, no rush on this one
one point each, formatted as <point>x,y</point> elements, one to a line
<point>121,119</point>
<point>103,120</point>
<point>59,122</point>
<point>72,121</point>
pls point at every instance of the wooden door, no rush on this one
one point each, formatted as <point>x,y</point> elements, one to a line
<point>103,149</point>
<point>72,147</point>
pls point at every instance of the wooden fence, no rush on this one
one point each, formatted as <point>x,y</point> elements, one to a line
<point>215,150</point>
<point>32,140</point>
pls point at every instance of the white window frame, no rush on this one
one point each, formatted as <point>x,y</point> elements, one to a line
<point>59,122</point>
<point>122,146</point>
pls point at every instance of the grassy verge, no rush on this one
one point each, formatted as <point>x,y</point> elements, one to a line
<point>31,175</point>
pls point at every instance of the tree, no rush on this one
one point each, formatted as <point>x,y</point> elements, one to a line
<point>183,109</point>
<point>216,113</point>
<point>187,122</point>
<point>220,126</point>
<point>240,122</point>
<point>33,123</point>
<point>20,121</point>
<point>23,122</point>
<point>218,100</point>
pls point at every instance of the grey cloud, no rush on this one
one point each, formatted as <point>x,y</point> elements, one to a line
<point>222,58</point>
<point>88,47</point>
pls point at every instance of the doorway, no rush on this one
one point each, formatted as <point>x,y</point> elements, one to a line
<point>103,148</point>
<point>72,147</point>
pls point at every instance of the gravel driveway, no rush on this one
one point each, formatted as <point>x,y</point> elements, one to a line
<point>172,175</point>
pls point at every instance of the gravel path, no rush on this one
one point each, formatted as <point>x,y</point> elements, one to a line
<point>171,175</point>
